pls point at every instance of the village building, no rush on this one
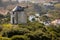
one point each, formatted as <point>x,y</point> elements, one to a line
<point>18,15</point>
<point>31,17</point>
<point>35,17</point>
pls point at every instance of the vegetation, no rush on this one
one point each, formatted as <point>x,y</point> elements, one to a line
<point>4,38</point>
<point>32,30</point>
<point>21,37</point>
<point>57,5</point>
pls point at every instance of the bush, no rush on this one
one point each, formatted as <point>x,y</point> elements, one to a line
<point>7,25</point>
<point>14,31</point>
<point>38,35</point>
<point>33,26</point>
<point>1,28</point>
<point>21,37</point>
<point>32,31</point>
<point>4,38</point>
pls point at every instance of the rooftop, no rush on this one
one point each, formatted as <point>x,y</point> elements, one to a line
<point>18,8</point>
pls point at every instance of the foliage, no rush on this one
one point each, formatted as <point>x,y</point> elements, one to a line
<point>4,38</point>
<point>32,31</point>
<point>1,16</point>
<point>9,32</point>
<point>1,28</point>
<point>21,37</point>
<point>57,6</point>
<point>4,18</point>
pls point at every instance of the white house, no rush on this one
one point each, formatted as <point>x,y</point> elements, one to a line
<point>37,15</point>
<point>31,17</point>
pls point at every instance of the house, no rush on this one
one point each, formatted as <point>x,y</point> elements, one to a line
<point>37,15</point>
<point>31,17</point>
<point>18,15</point>
<point>56,22</point>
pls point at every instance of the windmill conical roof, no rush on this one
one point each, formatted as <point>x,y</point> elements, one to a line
<point>18,8</point>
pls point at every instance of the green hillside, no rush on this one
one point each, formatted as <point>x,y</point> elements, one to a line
<point>31,30</point>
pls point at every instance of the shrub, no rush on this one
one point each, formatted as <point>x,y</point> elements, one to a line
<point>38,35</point>
<point>7,25</point>
<point>33,26</point>
<point>1,28</point>
<point>14,31</point>
<point>4,38</point>
<point>20,37</point>
<point>34,31</point>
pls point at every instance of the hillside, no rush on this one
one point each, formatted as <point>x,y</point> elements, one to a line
<point>35,30</point>
<point>18,1</point>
